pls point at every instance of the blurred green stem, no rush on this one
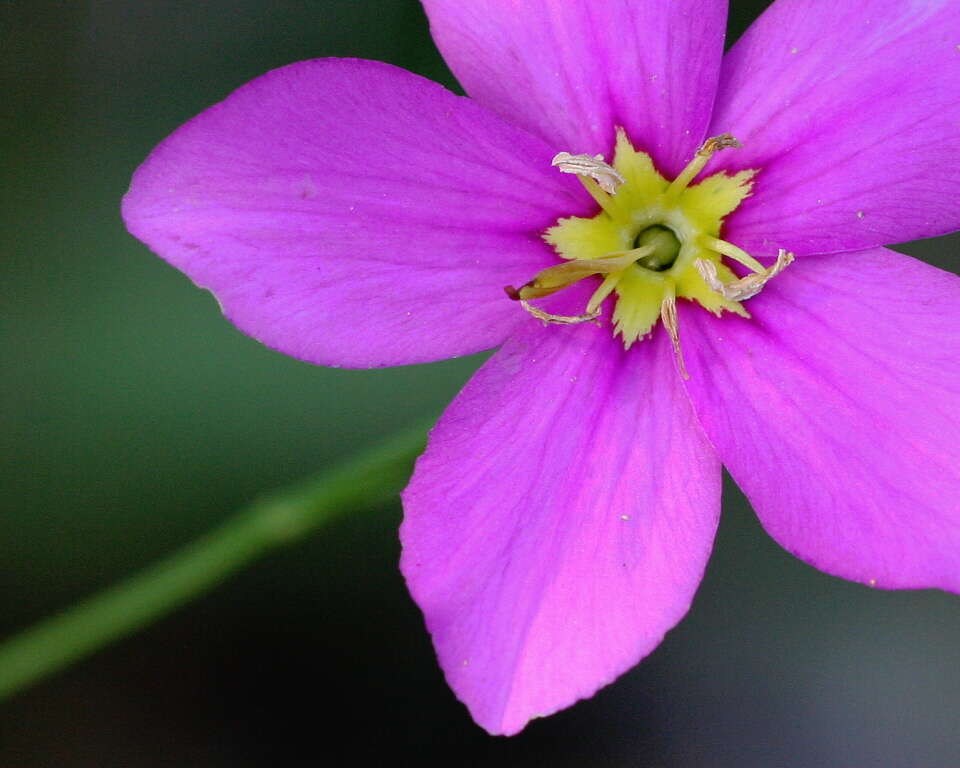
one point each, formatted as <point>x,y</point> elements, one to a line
<point>279,518</point>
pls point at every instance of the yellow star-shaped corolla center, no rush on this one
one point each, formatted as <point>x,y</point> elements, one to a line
<point>678,223</point>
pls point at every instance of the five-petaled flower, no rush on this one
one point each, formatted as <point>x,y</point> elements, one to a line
<point>349,213</point>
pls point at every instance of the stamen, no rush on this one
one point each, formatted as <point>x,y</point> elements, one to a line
<point>709,148</point>
<point>605,289</point>
<point>668,314</point>
<point>606,176</point>
<point>734,252</point>
<point>559,319</point>
<point>673,230</point>
<point>746,287</point>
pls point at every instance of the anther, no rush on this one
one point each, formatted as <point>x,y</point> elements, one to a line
<point>707,150</point>
<point>716,143</point>
<point>599,178</point>
<point>746,287</point>
<point>592,166</point>
<point>547,317</point>
<point>668,315</point>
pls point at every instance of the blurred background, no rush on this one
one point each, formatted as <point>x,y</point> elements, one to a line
<point>134,418</point>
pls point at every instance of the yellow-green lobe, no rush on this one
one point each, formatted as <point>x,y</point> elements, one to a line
<point>642,203</point>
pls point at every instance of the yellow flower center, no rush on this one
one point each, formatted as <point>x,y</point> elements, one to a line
<point>652,241</point>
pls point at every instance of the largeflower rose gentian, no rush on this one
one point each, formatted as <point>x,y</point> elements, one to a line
<point>349,213</point>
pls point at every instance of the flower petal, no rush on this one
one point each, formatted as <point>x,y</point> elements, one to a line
<point>837,410</point>
<point>852,113</point>
<point>350,213</point>
<point>572,71</point>
<point>560,520</point>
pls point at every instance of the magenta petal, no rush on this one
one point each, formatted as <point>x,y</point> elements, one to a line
<point>852,111</point>
<point>571,71</point>
<point>560,520</point>
<point>350,213</point>
<point>837,410</point>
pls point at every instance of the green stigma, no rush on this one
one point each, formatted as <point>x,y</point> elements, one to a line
<point>665,245</point>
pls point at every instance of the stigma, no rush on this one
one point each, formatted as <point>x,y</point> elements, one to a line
<point>652,242</point>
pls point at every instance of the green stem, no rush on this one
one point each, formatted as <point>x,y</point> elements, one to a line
<point>279,518</point>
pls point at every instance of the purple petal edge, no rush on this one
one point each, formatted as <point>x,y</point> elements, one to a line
<point>573,71</point>
<point>837,411</point>
<point>851,113</point>
<point>559,522</point>
<point>349,213</point>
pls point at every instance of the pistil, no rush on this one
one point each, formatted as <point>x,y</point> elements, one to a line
<point>556,278</point>
<point>666,248</point>
<point>606,288</point>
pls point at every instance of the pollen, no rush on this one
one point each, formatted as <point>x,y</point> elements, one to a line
<point>653,241</point>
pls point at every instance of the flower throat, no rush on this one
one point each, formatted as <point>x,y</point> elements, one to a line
<point>652,241</point>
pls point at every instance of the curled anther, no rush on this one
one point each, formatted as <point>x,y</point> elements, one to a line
<point>606,176</point>
<point>668,315</point>
<point>716,143</point>
<point>746,287</point>
<point>700,159</point>
<point>547,317</point>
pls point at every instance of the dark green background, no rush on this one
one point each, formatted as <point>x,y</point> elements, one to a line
<point>134,418</point>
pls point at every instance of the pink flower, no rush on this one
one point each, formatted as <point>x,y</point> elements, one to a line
<point>349,213</point>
